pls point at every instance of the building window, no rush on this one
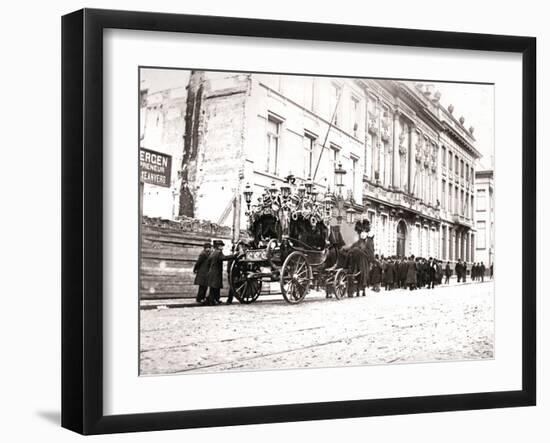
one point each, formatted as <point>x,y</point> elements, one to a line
<point>456,165</point>
<point>355,116</point>
<point>309,151</point>
<point>456,200</point>
<point>443,156</point>
<point>481,200</point>
<point>273,144</point>
<point>354,161</point>
<point>480,235</point>
<point>450,207</point>
<point>335,103</point>
<point>443,192</point>
<point>370,216</point>
<point>467,173</point>
<point>450,161</point>
<point>461,168</point>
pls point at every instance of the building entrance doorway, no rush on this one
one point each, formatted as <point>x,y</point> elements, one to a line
<point>401,238</point>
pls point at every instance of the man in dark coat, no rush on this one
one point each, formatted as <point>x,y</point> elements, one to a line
<point>420,272</point>
<point>376,274</point>
<point>201,272</point>
<point>482,271</point>
<point>389,275</point>
<point>448,273</point>
<point>458,271</point>
<point>215,272</point>
<point>432,270</point>
<point>402,271</point>
<point>410,281</point>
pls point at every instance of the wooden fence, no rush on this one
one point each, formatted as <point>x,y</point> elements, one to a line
<point>168,252</point>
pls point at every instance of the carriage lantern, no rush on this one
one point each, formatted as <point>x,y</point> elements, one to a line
<point>314,193</point>
<point>248,195</point>
<point>350,212</point>
<point>328,202</point>
<point>301,191</point>
<point>309,185</point>
<point>339,172</point>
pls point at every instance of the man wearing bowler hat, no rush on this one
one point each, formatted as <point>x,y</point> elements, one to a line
<point>201,272</point>
<point>215,272</point>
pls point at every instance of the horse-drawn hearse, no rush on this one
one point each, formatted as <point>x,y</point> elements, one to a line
<point>291,243</point>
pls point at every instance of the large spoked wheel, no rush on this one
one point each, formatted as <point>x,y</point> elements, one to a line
<point>295,277</point>
<point>246,290</point>
<point>340,284</point>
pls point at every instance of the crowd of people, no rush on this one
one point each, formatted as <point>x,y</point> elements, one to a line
<point>395,272</point>
<point>411,272</point>
<point>208,271</point>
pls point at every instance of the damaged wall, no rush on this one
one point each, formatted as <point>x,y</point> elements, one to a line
<point>215,121</point>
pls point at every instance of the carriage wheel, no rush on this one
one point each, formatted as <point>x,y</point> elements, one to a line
<point>246,290</point>
<point>295,277</point>
<point>340,284</point>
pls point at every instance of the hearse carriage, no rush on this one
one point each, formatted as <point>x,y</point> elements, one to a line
<point>290,243</point>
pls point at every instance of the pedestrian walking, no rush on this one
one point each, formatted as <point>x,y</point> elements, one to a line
<point>448,273</point>
<point>458,271</point>
<point>200,269</point>
<point>482,271</point>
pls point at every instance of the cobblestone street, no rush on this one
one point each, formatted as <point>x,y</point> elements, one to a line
<point>446,323</point>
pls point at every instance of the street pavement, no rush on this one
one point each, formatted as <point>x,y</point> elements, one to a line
<point>447,323</point>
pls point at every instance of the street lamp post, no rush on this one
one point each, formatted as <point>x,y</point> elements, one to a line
<point>339,173</point>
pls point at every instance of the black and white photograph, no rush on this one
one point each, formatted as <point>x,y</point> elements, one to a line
<point>292,221</point>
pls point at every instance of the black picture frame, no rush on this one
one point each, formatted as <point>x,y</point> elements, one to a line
<point>82,218</point>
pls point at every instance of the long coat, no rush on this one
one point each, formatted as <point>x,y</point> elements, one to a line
<point>389,275</point>
<point>376,273</point>
<point>215,270</point>
<point>201,269</point>
<point>402,267</point>
<point>411,273</point>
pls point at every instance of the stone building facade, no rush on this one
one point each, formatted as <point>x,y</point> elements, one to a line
<point>485,217</point>
<point>410,163</point>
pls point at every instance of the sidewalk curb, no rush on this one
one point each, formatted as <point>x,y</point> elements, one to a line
<point>191,303</point>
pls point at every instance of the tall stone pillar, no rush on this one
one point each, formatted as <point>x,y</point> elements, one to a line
<point>412,157</point>
<point>451,245</point>
<point>395,152</point>
<point>468,247</point>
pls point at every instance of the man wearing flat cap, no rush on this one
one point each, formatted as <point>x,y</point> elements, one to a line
<point>215,272</point>
<point>201,272</point>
